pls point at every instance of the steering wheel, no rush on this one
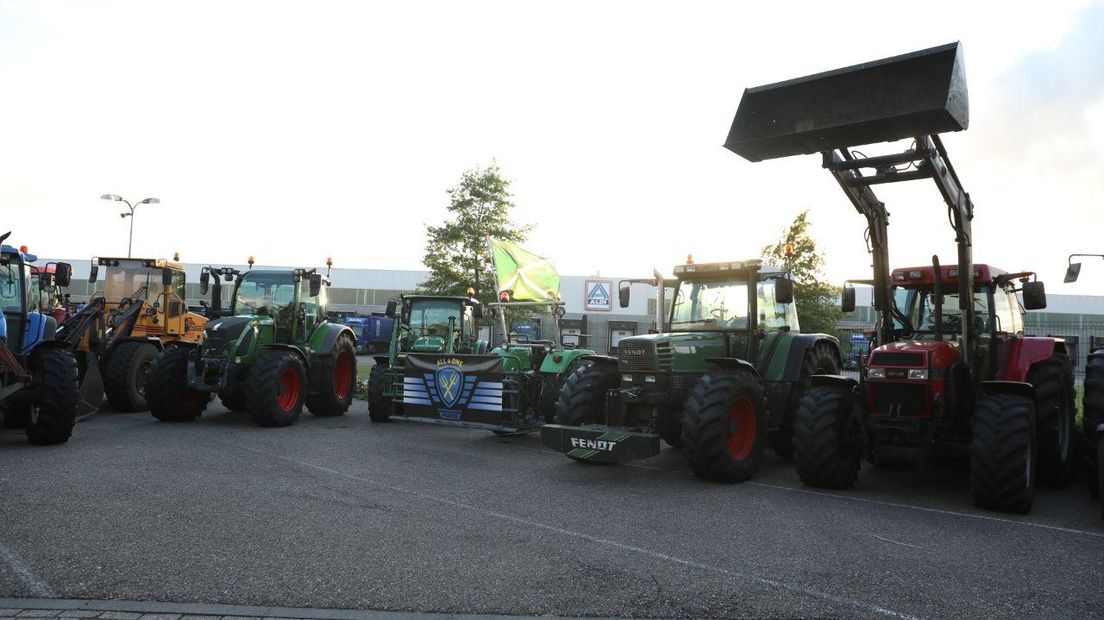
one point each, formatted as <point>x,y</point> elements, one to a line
<point>718,313</point>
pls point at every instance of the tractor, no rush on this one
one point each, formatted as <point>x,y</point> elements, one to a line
<point>941,382</point>
<point>273,352</point>
<point>721,379</point>
<point>138,311</point>
<point>437,372</point>
<point>39,384</point>
<point>1092,403</point>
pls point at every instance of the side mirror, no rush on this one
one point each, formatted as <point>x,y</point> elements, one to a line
<point>847,299</point>
<point>392,305</point>
<point>204,281</point>
<point>315,284</point>
<point>1034,295</point>
<point>45,281</point>
<point>166,277</point>
<point>1072,272</point>
<point>93,272</point>
<point>623,296</point>
<point>63,274</point>
<point>783,291</point>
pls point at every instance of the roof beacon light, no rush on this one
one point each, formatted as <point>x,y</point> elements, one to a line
<point>689,259</point>
<point>250,261</point>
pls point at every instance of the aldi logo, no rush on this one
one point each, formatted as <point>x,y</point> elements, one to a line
<point>598,295</point>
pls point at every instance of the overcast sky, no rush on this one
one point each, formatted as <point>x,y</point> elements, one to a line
<point>296,131</point>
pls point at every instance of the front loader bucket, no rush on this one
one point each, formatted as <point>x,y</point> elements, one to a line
<point>904,96</point>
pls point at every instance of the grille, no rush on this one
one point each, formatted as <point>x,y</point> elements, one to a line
<point>899,399</point>
<point>883,358</point>
<point>213,342</point>
<point>665,355</point>
<point>633,355</point>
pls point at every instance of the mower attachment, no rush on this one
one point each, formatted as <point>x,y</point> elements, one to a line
<point>914,94</point>
<point>599,443</point>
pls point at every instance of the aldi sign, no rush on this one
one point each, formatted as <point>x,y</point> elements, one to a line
<point>598,295</point>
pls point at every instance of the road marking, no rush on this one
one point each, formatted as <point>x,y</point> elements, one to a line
<point>952,513</point>
<point>36,585</point>
<point>896,542</point>
<point>856,604</point>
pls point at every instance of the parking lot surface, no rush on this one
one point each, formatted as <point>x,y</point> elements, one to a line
<point>345,514</point>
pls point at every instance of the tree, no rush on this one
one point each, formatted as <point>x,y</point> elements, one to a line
<point>456,251</point>
<point>815,299</point>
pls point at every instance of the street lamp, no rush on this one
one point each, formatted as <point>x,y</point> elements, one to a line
<point>132,207</point>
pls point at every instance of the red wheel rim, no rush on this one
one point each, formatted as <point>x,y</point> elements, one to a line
<point>288,384</point>
<point>191,398</point>
<point>741,428</point>
<point>343,375</point>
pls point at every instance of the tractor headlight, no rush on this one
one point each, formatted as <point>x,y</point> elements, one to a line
<point>649,378</point>
<point>626,378</point>
<point>875,373</point>
<point>918,374</point>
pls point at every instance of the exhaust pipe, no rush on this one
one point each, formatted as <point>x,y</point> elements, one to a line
<point>937,294</point>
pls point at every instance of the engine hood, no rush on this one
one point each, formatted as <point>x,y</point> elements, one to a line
<point>218,334</point>
<point>675,351</point>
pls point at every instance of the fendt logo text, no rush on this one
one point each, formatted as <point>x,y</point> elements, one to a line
<point>593,444</point>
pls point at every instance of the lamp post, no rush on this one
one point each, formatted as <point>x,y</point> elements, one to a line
<point>132,207</point>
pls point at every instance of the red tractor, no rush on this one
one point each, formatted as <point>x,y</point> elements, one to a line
<point>960,380</point>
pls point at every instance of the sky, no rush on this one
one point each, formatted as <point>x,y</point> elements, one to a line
<point>293,131</point>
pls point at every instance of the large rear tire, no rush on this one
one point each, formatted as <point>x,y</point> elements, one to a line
<point>1002,453</point>
<point>170,399</point>
<point>380,405</point>
<point>819,359</point>
<point>1055,415</point>
<point>825,452</point>
<point>1092,417</point>
<point>126,375</point>
<point>339,375</point>
<point>51,417</point>
<point>582,398</point>
<point>234,400</point>
<point>275,389</point>
<point>724,426</point>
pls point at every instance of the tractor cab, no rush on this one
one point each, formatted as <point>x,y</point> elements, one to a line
<point>49,296</point>
<point>292,302</point>
<point>145,296</point>
<point>26,323</point>
<point>437,324</point>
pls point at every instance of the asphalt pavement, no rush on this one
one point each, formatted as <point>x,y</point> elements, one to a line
<point>342,513</point>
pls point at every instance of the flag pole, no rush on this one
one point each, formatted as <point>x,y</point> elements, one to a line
<point>502,309</point>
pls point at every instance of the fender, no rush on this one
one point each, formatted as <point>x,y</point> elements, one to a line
<point>1026,352</point>
<point>325,336</point>
<point>37,330</point>
<point>382,360</point>
<point>734,363</point>
<point>1012,388</point>
<point>597,358</point>
<point>559,362</point>
<point>799,345</point>
<point>289,347</point>
<point>834,381</point>
<point>147,339</point>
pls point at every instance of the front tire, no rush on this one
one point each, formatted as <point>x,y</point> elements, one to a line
<point>339,375</point>
<point>724,426</point>
<point>820,359</point>
<point>126,375</point>
<point>1093,417</point>
<point>51,417</point>
<point>170,399</point>
<point>1002,453</point>
<point>825,453</point>
<point>380,406</point>
<point>275,389</point>
<point>582,398</point>
<point>1055,416</point>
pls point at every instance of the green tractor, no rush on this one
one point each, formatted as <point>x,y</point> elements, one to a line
<point>716,382</point>
<point>437,372</point>
<point>273,352</point>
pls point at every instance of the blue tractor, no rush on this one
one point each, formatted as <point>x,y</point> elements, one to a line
<point>39,381</point>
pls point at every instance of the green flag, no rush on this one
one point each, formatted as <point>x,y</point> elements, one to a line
<point>527,276</point>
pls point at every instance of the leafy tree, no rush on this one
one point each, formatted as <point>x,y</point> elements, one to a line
<point>456,251</point>
<point>815,299</point>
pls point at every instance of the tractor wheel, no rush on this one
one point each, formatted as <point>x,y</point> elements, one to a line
<point>582,398</point>
<point>824,447</point>
<point>724,426</point>
<point>167,391</point>
<point>1002,453</point>
<point>820,359</point>
<point>339,375</point>
<point>380,406</point>
<point>233,400</point>
<point>275,388</point>
<point>125,375</point>
<point>51,417</point>
<point>1093,417</point>
<point>1055,415</point>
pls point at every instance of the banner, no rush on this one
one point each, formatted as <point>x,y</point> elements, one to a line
<point>456,388</point>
